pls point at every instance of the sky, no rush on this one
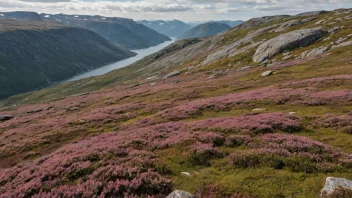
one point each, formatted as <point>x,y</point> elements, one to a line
<point>185,10</point>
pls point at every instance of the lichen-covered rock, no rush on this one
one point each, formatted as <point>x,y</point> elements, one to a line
<point>288,41</point>
<point>333,183</point>
<point>180,194</point>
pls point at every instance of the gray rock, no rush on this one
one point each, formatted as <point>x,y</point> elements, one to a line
<point>286,57</point>
<point>152,84</point>
<point>319,22</point>
<point>288,41</point>
<point>314,52</point>
<point>344,44</point>
<point>245,68</point>
<point>180,194</point>
<point>267,73</point>
<point>332,183</point>
<point>73,108</point>
<point>172,74</point>
<point>307,19</point>
<point>6,117</point>
<point>334,30</point>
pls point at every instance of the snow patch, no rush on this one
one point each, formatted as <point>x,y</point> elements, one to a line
<point>47,16</point>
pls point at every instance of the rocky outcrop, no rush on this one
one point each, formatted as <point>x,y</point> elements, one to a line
<point>35,54</point>
<point>288,41</point>
<point>314,52</point>
<point>260,21</point>
<point>333,183</point>
<point>180,194</point>
<point>344,44</point>
<point>172,74</point>
<point>314,13</point>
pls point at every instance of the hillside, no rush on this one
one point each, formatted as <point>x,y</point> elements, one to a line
<point>205,30</point>
<point>230,23</point>
<point>260,110</point>
<point>174,28</point>
<point>122,32</point>
<point>55,52</point>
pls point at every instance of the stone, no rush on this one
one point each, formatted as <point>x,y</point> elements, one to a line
<point>286,57</point>
<point>288,41</point>
<point>73,108</point>
<point>186,173</point>
<point>259,109</point>
<point>152,84</point>
<point>292,113</point>
<point>344,44</point>
<point>6,117</point>
<point>319,22</point>
<point>35,111</point>
<point>245,68</point>
<point>267,73</point>
<point>180,194</point>
<point>172,74</point>
<point>332,183</point>
<point>314,52</point>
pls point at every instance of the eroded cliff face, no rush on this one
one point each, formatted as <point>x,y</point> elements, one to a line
<point>36,54</point>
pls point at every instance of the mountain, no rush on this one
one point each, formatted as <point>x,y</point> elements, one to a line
<point>35,54</point>
<point>20,15</point>
<point>205,30</point>
<point>122,32</point>
<point>174,28</point>
<point>230,23</point>
<point>261,110</point>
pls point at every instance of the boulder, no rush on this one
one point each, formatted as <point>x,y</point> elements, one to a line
<point>180,194</point>
<point>288,41</point>
<point>267,73</point>
<point>6,117</point>
<point>332,183</point>
<point>172,74</point>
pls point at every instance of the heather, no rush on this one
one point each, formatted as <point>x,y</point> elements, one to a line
<point>216,130</point>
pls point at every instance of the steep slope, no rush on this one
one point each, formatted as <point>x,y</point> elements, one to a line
<point>174,28</point>
<point>205,30</point>
<point>54,53</point>
<point>20,15</point>
<point>119,31</point>
<point>221,125</point>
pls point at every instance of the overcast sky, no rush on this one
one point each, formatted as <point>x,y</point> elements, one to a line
<point>186,10</point>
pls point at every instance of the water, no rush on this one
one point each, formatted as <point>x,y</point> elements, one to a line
<point>141,53</point>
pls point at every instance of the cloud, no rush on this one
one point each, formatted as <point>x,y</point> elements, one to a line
<point>169,9</point>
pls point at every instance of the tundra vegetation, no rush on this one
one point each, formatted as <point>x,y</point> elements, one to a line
<point>236,133</point>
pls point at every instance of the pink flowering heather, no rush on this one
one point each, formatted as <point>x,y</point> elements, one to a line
<point>262,123</point>
<point>342,123</point>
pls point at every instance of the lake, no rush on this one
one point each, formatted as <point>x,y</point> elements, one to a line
<point>141,53</point>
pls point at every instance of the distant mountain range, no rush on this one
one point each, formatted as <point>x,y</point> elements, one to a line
<point>176,28</point>
<point>122,32</point>
<point>20,15</point>
<point>205,30</point>
<point>173,28</point>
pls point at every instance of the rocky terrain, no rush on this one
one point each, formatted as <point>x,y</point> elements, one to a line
<point>174,28</point>
<point>55,52</point>
<point>122,32</point>
<point>260,110</point>
<point>205,30</point>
